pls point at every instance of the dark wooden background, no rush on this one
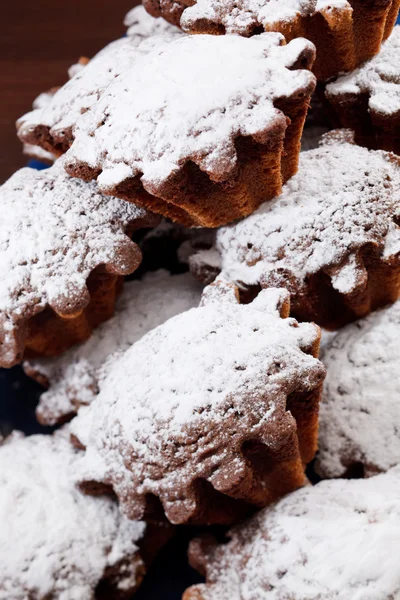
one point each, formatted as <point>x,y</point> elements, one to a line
<point>39,40</point>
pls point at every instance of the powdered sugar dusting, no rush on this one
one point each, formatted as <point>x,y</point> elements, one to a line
<point>183,388</point>
<point>84,89</point>
<point>54,231</point>
<point>54,541</point>
<point>378,77</point>
<point>141,24</point>
<point>342,198</point>
<point>32,150</point>
<point>243,16</point>
<point>336,540</point>
<point>38,153</point>
<point>188,100</point>
<point>74,378</point>
<point>360,412</point>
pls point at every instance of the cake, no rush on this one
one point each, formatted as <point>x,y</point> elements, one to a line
<point>63,250</point>
<point>74,378</point>
<point>368,99</point>
<point>332,238</point>
<point>336,540</point>
<point>345,32</point>
<point>51,126</point>
<point>56,542</point>
<point>360,410</point>
<point>199,140</point>
<point>208,415</point>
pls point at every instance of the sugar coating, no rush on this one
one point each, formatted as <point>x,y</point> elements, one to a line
<point>54,231</point>
<point>379,77</point>
<point>38,153</point>
<point>75,377</point>
<point>243,16</point>
<point>55,542</point>
<point>33,150</point>
<point>179,403</point>
<point>334,541</point>
<point>342,198</point>
<point>188,99</point>
<point>141,24</point>
<point>87,85</point>
<point>360,412</point>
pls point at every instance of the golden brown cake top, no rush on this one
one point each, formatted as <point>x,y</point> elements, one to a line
<point>54,231</point>
<point>55,541</point>
<point>342,199</point>
<point>180,403</point>
<point>188,99</point>
<point>379,78</point>
<point>319,542</point>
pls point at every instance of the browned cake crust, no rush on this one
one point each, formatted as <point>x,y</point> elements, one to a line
<point>344,36</point>
<point>236,440</point>
<point>368,99</point>
<point>303,546</point>
<point>49,334</point>
<point>193,199</point>
<point>64,249</point>
<point>330,240</point>
<point>204,180</point>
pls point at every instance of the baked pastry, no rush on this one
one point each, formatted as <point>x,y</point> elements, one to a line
<point>204,142</point>
<point>75,377</point>
<point>332,238</point>
<point>336,540</point>
<point>39,104</point>
<point>368,100</point>
<point>56,542</point>
<point>33,151</point>
<point>141,24</point>
<point>211,413</point>
<point>345,32</point>
<point>360,412</point>
<point>52,126</point>
<point>63,250</point>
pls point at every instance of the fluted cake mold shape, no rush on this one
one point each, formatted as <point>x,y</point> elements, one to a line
<point>212,413</point>
<point>63,250</point>
<point>345,32</point>
<point>332,238</point>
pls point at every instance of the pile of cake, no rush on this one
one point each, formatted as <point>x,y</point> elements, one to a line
<point>205,281</point>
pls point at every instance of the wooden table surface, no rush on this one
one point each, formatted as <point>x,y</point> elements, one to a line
<point>39,40</point>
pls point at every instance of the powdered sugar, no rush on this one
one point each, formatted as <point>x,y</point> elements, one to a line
<point>360,412</point>
<point>171,409</point>
<point>141,24</point>
<point>378,77</point>
<point>83,90</point>
<point>33,150</point>
<point>188,100</point>
<point>244,15</point>
<point>38,153</point>
<point>56,542</point>
<point>337,540</point>
<point>54,231</point>
<point>74,378</point>
<point>343,198</point>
